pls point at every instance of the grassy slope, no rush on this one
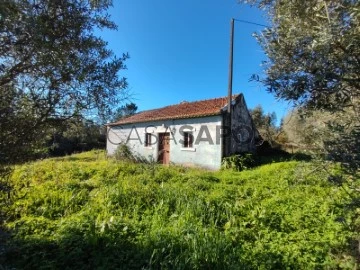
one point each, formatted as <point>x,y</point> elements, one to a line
<point>84,212</point>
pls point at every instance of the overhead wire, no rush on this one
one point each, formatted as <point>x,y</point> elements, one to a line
<point>249,22</point>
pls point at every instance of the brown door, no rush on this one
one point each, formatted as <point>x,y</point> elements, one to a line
<point>164,148</point>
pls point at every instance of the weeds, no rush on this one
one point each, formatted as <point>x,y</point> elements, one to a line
<point>86,212</point>
<point>238,162</point>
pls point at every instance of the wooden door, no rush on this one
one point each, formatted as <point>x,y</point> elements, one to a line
<point>164,148</point>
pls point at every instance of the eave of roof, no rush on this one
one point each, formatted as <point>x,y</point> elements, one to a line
<point>184,110</point>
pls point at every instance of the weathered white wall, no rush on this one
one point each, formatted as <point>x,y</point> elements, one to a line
<point>205,153</point>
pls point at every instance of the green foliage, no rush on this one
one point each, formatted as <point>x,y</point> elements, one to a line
<point>313,51</point>
<point>75,135</point>
<point>125,153</point>
<point>313,61</point>
<point>238,162</point>
<point>264,123</point>
<point>311,129</point>
<point>83,211</point>
<point>124,111</point>
<point>346,149</point>
<point>53,68</point>
<point>307,130</point>
<point>21,137</point>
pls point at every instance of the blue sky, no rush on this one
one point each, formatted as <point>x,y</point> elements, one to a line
<point>179,50</point>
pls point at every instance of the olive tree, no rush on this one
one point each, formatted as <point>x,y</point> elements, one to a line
<point>53,67</point>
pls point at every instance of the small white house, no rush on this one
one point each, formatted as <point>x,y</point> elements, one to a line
<point>196,133</point>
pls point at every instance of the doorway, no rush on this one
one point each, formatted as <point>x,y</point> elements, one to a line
<point>164,148</point>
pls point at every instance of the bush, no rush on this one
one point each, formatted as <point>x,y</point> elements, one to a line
<point>239,162</point>
<point>123,152</point>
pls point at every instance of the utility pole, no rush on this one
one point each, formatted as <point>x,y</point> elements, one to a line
<point>228,140</point>
<point>231,65</point>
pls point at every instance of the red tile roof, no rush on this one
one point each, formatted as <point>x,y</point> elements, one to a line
<point>182,110</point>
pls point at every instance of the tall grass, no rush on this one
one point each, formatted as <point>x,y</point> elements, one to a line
<point>84,212</point>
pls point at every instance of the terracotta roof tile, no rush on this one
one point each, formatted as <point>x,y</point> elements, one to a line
<point>182,110</point>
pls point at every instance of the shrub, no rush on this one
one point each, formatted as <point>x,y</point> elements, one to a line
<point>239,162</point>
<point>123,152</point>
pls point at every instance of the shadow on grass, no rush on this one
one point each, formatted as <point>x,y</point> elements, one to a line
<point>112,250</point>
<point>75,251</point>
<point>267,155</point>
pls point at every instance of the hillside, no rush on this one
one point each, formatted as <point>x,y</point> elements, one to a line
<point>86,212</point>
